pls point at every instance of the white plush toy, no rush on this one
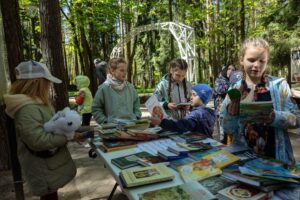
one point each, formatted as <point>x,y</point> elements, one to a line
<point>64,122</point>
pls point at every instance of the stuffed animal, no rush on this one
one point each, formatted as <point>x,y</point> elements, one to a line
<point>64,122</point>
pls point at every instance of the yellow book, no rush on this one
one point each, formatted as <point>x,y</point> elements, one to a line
<point>222,158</point>
<point>146,175</point>
<point>199,170</point>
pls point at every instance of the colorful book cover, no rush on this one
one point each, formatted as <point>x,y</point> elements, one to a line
<point>216,183</point>
<point>155,108</point>
<point>198,170</point>
<point>243,192</point>
<point>188,191</point>
<point>267,168</point>
<point>222,158</point>
<point>253,111</point>
<point>199,146</point>
<point>146,175</point>
<point>130,160</point>
<point>200,154</point>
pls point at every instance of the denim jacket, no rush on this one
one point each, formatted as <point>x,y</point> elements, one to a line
<point>285,118</point>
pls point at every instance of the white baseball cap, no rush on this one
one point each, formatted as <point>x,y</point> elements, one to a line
<point>32,69</point>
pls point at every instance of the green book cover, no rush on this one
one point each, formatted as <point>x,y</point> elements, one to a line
<point>255,111</point>
<point>146,175</point>
<point>130,160</point>
<point>188,191</point>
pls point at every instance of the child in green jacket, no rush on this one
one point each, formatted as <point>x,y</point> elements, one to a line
<point>116,98</point>
<point>84,99</point>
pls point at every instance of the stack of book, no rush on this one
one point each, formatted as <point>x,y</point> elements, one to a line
<point>133,177</point>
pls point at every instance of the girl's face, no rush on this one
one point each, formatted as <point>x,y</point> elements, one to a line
<point>195,99</point>
<point>255,62</point>
<point>230,69</point>
<point>120,73</point>
<point>178,74</point>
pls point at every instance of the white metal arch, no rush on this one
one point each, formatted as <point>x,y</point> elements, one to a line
<point>185,38</point>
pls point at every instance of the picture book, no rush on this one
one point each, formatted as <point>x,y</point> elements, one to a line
<point>198,170</point>
<point>192,136</point>
<point>222,158</point>
<point>216,183</point>
<point>188,191</point>
<point>243,192</point>
<point>155,108</point>
<point>146,175</point>
<point>254,111</point>
<point>130,160</point>
<point>197,155</point>
<point>266,168</point>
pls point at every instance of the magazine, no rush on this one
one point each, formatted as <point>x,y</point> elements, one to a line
<point>255,111</point>
<point>155,108</point>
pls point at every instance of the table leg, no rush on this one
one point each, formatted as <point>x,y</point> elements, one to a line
<point>113,191</point>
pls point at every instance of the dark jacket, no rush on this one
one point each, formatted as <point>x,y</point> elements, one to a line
<point>200,119</point>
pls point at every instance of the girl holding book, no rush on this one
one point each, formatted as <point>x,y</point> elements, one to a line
<point>174,89</point>
<point>116,98</point>
<point>271,136</point>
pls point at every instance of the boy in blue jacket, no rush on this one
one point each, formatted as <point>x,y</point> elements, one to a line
<point>201,119</point>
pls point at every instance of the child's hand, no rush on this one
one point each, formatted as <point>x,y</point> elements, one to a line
<point>172,106</point>
<point>155,120</point>
<point>78,138</point>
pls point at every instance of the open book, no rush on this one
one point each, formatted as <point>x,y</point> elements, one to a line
<point>155,108</point>
<point>255,111</point>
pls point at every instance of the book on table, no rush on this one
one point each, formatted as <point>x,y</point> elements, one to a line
<point>255,111</point>
<point>198,170</point>
<point>243,192</point>
<point>168,155</point>
<point>187,191</point>
<point>222,158</point>
<point>130,135</point>
<point>216,183</point>
<point>133,177</point>
<point>129,160</point>
<point>262,183</point>
<point>108,146</point>
<point>198,155</point>
<point>195,146</point>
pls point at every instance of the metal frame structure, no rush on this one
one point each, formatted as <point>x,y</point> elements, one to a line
<point>185,38</point>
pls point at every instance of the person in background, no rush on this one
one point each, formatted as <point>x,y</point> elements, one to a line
<point>84,99</point>
<point>100,70</point>
<point>44,169</point>
<point>257,85</point>
<point>174,89</point>
<point>116,98</point>
<point>201,119</point>
<point>221,87</point>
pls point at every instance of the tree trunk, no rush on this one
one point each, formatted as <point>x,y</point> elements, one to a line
<point>89,69</point>
<point>171,36</point>
<point>242,22</point>
<point>51,44</point>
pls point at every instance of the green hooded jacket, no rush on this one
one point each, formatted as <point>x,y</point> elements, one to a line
<point>41,174</point>
<point>82,83</point>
